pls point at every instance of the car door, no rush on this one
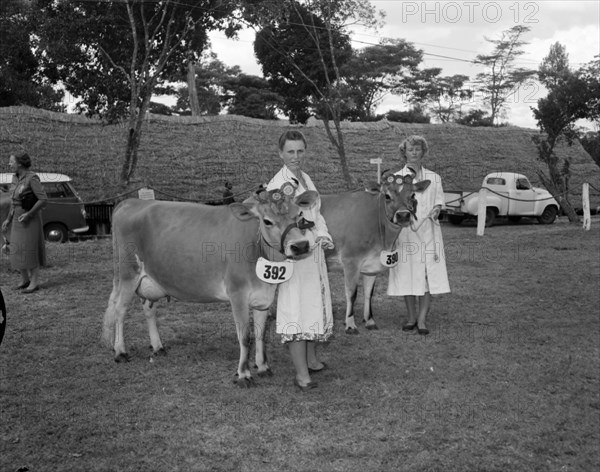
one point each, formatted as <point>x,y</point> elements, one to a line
<point>523,198</point>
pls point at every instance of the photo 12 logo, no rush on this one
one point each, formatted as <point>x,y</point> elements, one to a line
<point>471,12</point>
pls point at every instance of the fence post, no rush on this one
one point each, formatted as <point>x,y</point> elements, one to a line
<point>481,210</point>
<point>585,195</point>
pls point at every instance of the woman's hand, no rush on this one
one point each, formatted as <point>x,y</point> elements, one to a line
<point>24,218</point>
<point>326,243</point>
<point>5,224</point>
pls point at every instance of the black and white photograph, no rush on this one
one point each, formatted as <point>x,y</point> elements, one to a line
<point>299,235</point>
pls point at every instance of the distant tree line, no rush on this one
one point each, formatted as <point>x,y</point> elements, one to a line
<point>114,57</point>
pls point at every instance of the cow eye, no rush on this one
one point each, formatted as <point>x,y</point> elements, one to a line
<point>268,222</point>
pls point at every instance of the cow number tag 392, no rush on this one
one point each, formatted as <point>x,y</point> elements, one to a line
<point>274,272</point>
<point>388,258</point>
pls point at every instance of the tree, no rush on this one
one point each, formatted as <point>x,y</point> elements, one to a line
<point>249,95</point>
<point>414,115</point>
<point>22,79</point>
<point>443,96</point>
<point>571,96</point>
<point>590,141</point>
<point>554,68</point>
<point>502,78</point>
<point>210,74</point>
<point>114,54</point>
<point>301,48</point>
<point>375,71</point>
<point>475,117</point>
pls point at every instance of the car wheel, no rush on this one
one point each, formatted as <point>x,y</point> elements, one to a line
<point>456,219</point>
<point>2,317</point>
<point>490,217</point>
<point>548,215</point>
<point>56,233</point>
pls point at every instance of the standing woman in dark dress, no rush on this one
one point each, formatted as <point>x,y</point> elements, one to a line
<point>27,248</point>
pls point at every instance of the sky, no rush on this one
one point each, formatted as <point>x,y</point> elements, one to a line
<point>458,31</point>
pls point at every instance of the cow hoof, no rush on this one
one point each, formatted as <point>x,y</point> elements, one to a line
<point>245,382</point>
<point>123,357</point>
<point>265,373</point>
<point>160,352</point>
<point>351,330</point>
<point>372,326</point>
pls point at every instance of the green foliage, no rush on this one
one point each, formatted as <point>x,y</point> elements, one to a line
<point>22,80</point>
<point>414,115</point>
<point>475,118</point>
<point>251,96</point>
<point>501,78</point>
<point>375,71</point>
<point>571,96</point>
<point>104,51</point>
<point>296,58</point>
<point>443,96</point>
<point>211,74</point>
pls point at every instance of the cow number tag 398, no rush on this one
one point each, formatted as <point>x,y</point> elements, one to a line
<point>274,272</point>
<point>388,258</point>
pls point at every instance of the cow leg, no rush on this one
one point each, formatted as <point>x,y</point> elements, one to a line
<point>351,277</point>
<point>260,326</point>
<point>121,302</point>
<point>368,285</point>
<point>241,317</point>
<point>150,313</point>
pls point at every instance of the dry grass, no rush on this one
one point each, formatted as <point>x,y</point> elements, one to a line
<point>508,380</point>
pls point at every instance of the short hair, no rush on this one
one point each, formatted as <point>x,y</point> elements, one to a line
<point>414,139</point>
<point>23,159</point>
<point>291,135</point>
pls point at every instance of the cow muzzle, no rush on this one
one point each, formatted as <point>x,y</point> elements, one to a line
<point>402,217</point>
<point>298,248</point>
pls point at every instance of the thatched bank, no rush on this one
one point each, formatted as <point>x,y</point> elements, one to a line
<point>192,156</point>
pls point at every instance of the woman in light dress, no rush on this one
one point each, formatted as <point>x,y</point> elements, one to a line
<point>304,314</point>
<point>421,270</point>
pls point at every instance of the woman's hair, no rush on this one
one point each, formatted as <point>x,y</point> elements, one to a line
<point>23,159</point>
<point>414,139</point>
<point>291,135</point>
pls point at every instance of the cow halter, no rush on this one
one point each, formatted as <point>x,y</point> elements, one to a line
<point>277,272</point>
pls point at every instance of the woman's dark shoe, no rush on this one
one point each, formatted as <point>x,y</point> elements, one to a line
<point>31,290</point>
<point>305,388</point>
<point>23,285</point>
<point>409,326</point>
<point>314,371</point>
<point>423,331</point>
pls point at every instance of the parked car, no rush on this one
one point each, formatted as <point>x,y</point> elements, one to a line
<point>509,194</point>
<point>63,215</point>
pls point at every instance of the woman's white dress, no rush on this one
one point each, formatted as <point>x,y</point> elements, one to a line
<point>422,262</point>
<point>304,302</point>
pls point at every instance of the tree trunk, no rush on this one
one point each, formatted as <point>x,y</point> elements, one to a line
<point>192,90</point>
<point>134,135</point>
<point>338,142</point>
<point>560,195</point>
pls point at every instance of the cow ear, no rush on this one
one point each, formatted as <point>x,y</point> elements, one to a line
<point>243,211</point>
<point>422,185</point>
<point>372,187</point>
<point>306,199</point>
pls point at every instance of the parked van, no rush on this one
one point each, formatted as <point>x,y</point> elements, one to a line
<point>64,214</point>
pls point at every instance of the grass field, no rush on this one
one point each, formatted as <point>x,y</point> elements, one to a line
<point>508,380</point>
